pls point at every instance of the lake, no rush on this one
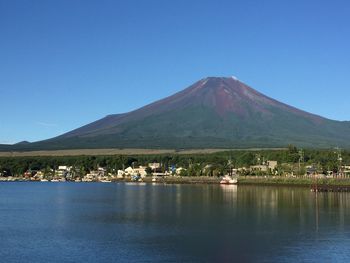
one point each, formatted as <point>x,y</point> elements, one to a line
<point>125,222</point>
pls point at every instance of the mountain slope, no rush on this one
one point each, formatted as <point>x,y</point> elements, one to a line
<point>211,113</point>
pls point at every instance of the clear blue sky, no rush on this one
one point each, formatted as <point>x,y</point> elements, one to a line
<point>66,63</point>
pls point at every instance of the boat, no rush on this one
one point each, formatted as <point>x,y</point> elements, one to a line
<point>154,179</point>
<point>105,181</point>
<point>86,180</point>
<point>77,180</point>
<point>228,180</point>
<point>55,180</point>
<point>44,180</point>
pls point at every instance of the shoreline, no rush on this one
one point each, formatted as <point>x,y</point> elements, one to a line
<point>275,181</point>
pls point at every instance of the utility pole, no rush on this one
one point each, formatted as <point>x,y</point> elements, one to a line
<point>229,162</point>
<point>258,158</point>
<point>340,160</point>
<point>301,159</point>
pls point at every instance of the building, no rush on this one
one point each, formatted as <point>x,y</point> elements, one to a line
<point>129,171</point>
<point>272,165</point>
<point>120,174</point>
<point>154,166</point>
<point>261,168</point>
<point>39,175</point>
<point>268,166</point>
<point>311,170</point>
<point>63,171</point>
<point>141,170</point>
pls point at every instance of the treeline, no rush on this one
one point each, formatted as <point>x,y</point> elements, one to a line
<point>326,159</point>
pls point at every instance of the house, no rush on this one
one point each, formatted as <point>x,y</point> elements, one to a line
<point>64,167</point>
<point>92,176</point>
<point>272,165</point>
<point>141,170</point>
<point>27,174</point>
<point>63,170</point>
<point>129,171</point>
<point>346,170</point>
<point>311,170</point>
<point>102,171</point>
<point>39,175</point>
<point>154,166</point>
<point>261,168</point>
<point>120,174</point>
<point>96,175</point>
<point>268,166</point>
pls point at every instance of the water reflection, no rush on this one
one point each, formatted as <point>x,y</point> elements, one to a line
<point>316,211</point>
<point>229,193</point>
<point>297,206</point>
<point>177,223</point>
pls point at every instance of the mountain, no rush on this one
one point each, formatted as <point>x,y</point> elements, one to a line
<point>23,143</point>
<point>214,112</point>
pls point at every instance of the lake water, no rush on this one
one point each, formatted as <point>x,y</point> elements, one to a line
<point>121,222</point>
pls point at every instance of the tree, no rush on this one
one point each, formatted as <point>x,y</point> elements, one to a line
<point>148,170</point>
<point>183,172</point>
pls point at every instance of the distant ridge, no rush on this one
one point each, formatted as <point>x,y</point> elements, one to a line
<point>214,112</point>
<point>22,143</point>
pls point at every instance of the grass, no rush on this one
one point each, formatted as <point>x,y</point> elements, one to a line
<point>126,151</point>
<point>294,181</point>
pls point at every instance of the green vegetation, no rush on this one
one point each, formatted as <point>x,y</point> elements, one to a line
<point>301,181</point>
<point>214,164</point>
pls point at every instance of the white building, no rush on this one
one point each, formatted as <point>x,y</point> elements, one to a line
<point>154,166</point>
<point>272,164</point>
<point>63,170</point>
<point>141,170</point>
<point>120,174</point>
<point>129,171</point>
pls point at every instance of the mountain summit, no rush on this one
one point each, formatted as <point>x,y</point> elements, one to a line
<point>214,112</point>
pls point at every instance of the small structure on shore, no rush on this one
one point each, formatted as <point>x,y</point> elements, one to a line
<point>228,180</point>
